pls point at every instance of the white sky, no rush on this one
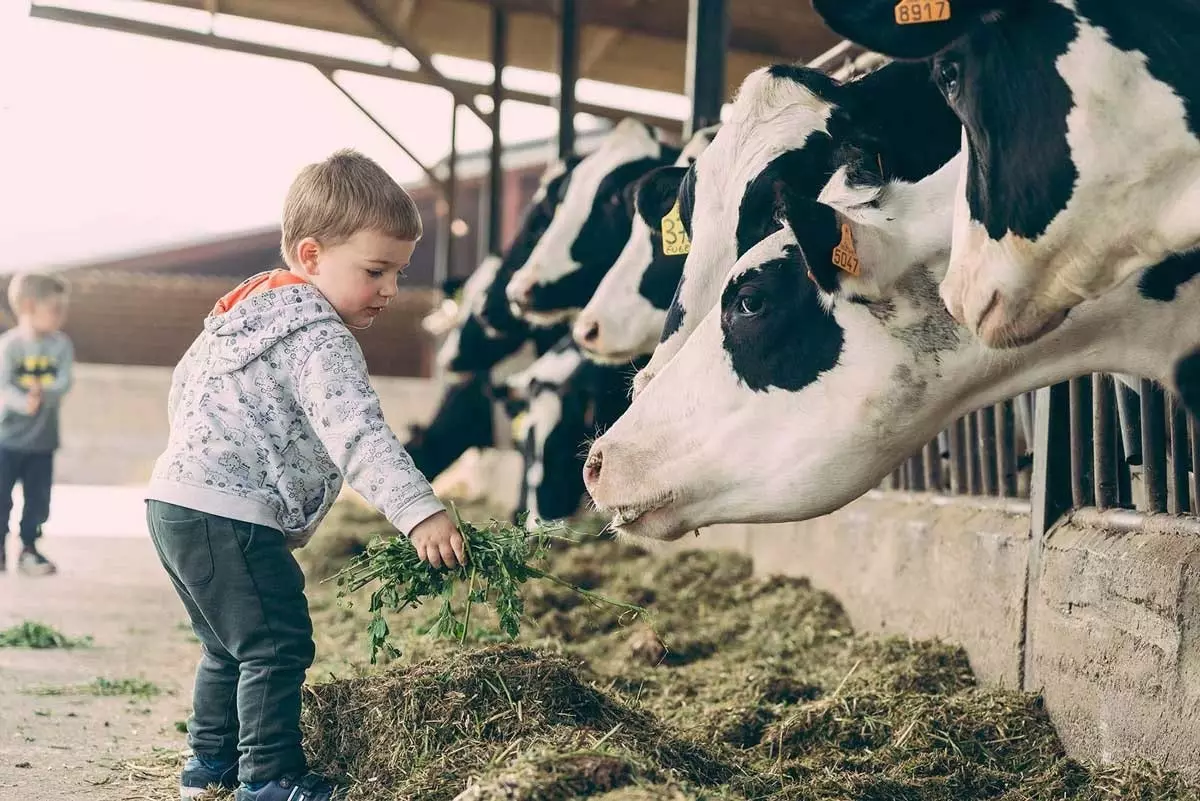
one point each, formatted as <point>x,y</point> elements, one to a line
<point>112,143</point>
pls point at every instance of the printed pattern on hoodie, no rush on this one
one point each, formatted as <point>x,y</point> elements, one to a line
<point>269,409</point>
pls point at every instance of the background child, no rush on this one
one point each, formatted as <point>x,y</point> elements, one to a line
<point>36,359</point>
<point>269,409</point>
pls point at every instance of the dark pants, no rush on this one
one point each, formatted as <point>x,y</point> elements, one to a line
<point>35,471</point>
<point>245,595</point>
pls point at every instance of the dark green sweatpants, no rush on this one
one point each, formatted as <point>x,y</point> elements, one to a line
<point>244,593</point>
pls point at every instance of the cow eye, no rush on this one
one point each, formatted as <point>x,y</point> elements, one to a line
<point>946,73</point>
<point>750,305</point>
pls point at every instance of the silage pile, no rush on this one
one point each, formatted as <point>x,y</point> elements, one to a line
<point>747,687</point>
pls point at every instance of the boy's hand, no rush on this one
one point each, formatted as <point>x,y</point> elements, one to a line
<point>34,399</point>
<point>438,541</point>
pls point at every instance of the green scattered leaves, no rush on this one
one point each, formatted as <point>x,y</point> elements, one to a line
<point>500,558</point>
<point>32,634</point>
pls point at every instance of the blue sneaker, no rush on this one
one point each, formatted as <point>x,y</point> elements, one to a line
<point>310,787</point>
<point>200,773</point>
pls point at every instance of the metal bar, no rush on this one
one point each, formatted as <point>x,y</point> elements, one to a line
<point>970,444</point>
<point>1129,417</point>
<point>1006,453</point>
<point>495,199</point>
<point>443,262</point>
<point>1105,455</point>
<point>1080,402</point>
<point>568,72</point>
<point>986,424</point>
<point>322,62</point>
<point>704,79</point>
<point>893,480</point>
<point>393,36</point>
<point>1050,497</point>
<point>958,457</point>
<point>429,173</point>
<point>1154,446</point>
<point>917,466</point>
<point>933,465</point>
<point>1177,494</point>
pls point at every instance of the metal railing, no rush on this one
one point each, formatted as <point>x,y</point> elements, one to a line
<point>1122,444</point>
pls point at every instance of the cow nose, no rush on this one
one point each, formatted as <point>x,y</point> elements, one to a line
<point>586,330</point>
<point>591,468</point>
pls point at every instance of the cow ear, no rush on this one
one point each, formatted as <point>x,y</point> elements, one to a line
<point>819,233</point>
<point>905,29</point>
<point>657,193</point>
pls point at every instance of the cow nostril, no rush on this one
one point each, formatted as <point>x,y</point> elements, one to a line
<point>591,469</point>
<point>593,334</point>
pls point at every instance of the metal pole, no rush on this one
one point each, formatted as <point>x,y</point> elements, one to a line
<point>1081,441</point>
<point>495,200</point>
<point>1154,446</point>
<point>1006,456</point>
<point>568,71</point>
<point>444,262</point>
<point>1050,497</point>
<point>1177,496</point>
<point>704,82</point>
<point>986,424</point>
<point>1104,447</point>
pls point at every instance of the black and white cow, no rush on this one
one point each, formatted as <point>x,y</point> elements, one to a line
<point>626,314</point>
<point>560,403</point>
<point>463,420</point>
<point>807,384</point>
<point>784,127</point>
<point>1080,120</point>
<point>589,227</point>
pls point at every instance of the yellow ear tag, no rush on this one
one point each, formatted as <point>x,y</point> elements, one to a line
<point>675,239</point>
<point>844,255</point>
<point>920,12</point>
<point>518,428</point>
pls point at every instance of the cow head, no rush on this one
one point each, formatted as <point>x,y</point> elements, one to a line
<point>486,331</point>
<point>783,129</point>
<point>625,316</point>
<point>590,226</point>
<point>830,358</point>
<point>1079,118</point>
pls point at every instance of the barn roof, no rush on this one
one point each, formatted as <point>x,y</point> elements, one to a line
<point>638,43</point>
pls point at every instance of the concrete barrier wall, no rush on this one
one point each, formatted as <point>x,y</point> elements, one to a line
<point>114,422</point>
<point>1113,634</point>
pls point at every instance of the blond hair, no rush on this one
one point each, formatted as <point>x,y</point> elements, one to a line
<point>34,288</point>
<point>334,199</point>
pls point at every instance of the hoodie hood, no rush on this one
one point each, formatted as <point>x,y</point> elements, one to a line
<point>258,313</point>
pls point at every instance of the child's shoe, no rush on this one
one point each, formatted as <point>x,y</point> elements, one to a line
<point>200,773</point>
<point>32,563</point>
<point>311,787</point>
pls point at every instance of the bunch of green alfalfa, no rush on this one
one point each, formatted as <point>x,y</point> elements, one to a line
<point>500,558</point>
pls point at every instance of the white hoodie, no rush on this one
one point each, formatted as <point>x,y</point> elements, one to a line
<point>269,408</point>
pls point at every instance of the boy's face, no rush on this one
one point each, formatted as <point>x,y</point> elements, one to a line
<point>358,276</point>
<point>46,316</point>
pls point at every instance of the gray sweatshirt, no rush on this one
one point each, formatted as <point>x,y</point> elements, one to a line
<point>27,359</point>
<point>269,408</point>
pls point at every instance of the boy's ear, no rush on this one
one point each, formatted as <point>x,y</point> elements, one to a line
<point>906,29</point>
<point>308,255</point>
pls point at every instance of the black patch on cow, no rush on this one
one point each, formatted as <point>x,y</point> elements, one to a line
<point>1014,105</point>
<point>1187,379</point>
<point>599,242</point>
<point>818,231</point>
<point>1168,35</point>
<point>479,349</point>
<point>1162,281</point>
<point>463,420</point>
<point>801,171</point>
<point>790,340</point>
